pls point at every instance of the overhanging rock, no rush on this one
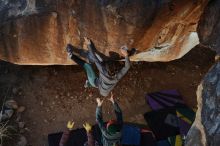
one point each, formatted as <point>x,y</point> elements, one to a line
<point>161,30</point>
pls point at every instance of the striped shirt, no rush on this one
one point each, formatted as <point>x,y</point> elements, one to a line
<point>107,83</point>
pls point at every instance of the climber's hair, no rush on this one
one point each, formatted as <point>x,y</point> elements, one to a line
<point>113,67</point>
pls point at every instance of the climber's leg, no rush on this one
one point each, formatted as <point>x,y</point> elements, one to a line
<point>76,59</point>
<point>91,76</point>
<point>82,53</point>
<point>95,58</point>
<point>88,67</point>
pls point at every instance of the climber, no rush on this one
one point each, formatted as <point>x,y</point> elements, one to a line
<point>112,132</point>
<point>88,128</point>
<point>105,82</point>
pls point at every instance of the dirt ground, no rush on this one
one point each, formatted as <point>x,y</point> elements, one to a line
<point>53,95</point>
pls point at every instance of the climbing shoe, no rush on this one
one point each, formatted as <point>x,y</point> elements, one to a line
<point>69,49</point>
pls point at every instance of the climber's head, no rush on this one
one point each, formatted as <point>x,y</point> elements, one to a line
<point>113,67</point>
<point>110,68</point>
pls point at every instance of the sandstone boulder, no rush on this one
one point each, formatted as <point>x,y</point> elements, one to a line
<point>205,130</point>
<point>10,10</point>
<point>209,26</point>
<point>161,30</point>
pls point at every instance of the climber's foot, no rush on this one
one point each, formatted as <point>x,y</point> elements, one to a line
<point>69,49</point>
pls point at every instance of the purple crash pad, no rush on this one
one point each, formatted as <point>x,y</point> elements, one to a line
<point>164,99</point>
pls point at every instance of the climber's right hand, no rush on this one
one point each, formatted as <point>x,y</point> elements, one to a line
<point>87,41</point>
<point>124,50</point>
<point>112,98</point>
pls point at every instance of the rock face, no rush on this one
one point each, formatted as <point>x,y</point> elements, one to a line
<point>161,30</point>
<point>206,127</point>
<point>209,26</point>
<point>10,9</point>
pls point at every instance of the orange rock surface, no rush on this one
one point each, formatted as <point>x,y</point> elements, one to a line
<point>159,30</point>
